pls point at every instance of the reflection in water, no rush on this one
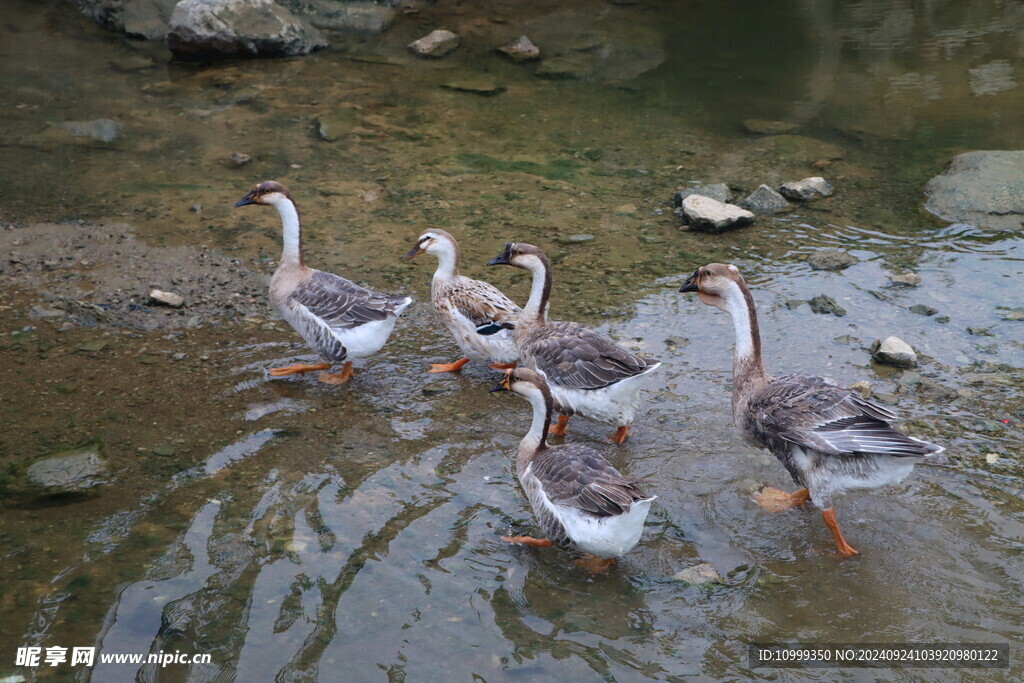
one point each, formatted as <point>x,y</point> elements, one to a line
<point>356,534</point>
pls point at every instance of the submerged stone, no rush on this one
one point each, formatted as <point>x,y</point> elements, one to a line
<point>476,87</point>
<point>824,304</point>
<point>68,471</point>
<point>906,279</point>
<point>101,130</point>
<point>520,50</point>
<point>830,259</point>
<point>763,127</point>
<point>983,188</point>
<point>699,574</point>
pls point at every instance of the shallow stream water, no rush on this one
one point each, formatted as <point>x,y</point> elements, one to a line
<point>295,531</point>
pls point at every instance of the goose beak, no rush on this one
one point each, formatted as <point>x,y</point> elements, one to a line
<point>505,384</point>
<point>413,253</point>
<point>502,259</point>
<point>691,283</point>
<point>247,199</point>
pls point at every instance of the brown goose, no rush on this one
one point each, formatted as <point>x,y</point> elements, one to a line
<point>580,500</point>
<point>337,318</point>
<point>828,437</point>
<point>587,372</point>
<point>477,314</point>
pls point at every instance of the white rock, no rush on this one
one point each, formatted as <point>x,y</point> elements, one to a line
<point>702,573</point>
<point>710,215</point>
<point>808,188</point>
<point>166,298</point>
<point>894,351</point>
<point>239,28</point>
<point>520,50</point>
<point>908,279</point>
<point>435,44</point>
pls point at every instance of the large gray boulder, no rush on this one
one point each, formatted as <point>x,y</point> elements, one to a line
<point>137,18</point>
<point>239,28</point>
<point>985,189</point>
<point>360,17</point>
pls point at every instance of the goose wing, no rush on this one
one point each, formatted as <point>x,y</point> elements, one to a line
<point>578,477</point>
<point>576,357</point>
<point>813,412</point>
<point>484,305</point>
<point>343,304</point>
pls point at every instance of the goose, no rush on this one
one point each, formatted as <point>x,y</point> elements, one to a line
<point>581,501</point>
<point>828,437</point>
<point>338,319</point>
<point>586,371</point>
<point>477,314</point>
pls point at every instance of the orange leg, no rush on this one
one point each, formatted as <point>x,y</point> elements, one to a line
<point>774,500</point>
<point>296,369</point>
<point>619,437</point>
<point>842,547</point>
<point>337,377</point>
<point>502,366</point>
<point>560,428</point>
<point>594,564</point>
<point>447,367</point>
<point>529,540</point>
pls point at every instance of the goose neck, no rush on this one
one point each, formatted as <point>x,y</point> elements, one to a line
<point>535,439</point>
<point>747,367</point>
<point>536,309</point>
<point>448,258</point>
<point>292,252</point>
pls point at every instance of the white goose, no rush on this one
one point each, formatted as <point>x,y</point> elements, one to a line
<point>337,318</point>
<point>587,372</point>
<point>477,314</point>
<point>828,437</point>
<point>581,501</point>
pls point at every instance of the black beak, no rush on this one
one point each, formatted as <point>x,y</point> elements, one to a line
<point>504,258</point>
<point>413,253</point>
<point>500,386</point>
<point>247,199</point>
<point>691,283</point>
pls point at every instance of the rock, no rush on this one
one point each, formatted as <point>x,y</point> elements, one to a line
<point>477,87</point>
<point>1016,314</point>
<point>68,471</point>
<point>980,331</point>
<point>763,127</point>
<point>888,398</point>
<point>863,388</point>
<point>337,124</point>
<point>171,299</point>
<point>435,44</point>
<point>906,279</point>
<point>830,259</point>
<point>764,200</point>
<point>625,210</point>
<point>238,159</point>
<point>165,450</point>
<point>93,346</point>
<point>101,130</point>
<point>824,304</point>
<point>929,388</point>
<point>793,304</point>
<point>575,239</point>
<point>705,214</point>
<point>894,351</point>
<point>717,191</point>
<point>520,50</point>
<point>136,18</point>
<point>45,312</point>
<point>984,188</point>
<point>699,574</point>
<point>808,188</point>
<point>798,149</point>
<point>921,309</point>
<point>575,65</point>
<point>239,28</point>
<point>356,17</point>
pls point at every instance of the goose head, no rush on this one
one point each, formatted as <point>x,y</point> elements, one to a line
<point>525,256</point>
<point>268,192</point>
<point>435,241</point>
<point>525,382</point>
<point>715,283</point>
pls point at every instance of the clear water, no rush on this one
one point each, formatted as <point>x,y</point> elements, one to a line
<point>352,533</point>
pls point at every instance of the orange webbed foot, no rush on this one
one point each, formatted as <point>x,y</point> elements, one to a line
<point>297,369</point>
<point>437,368</point>
<point>337,377</point>
<point>561,427</point>
<point>843,548</point>
<point>619,437</point>
<point>594,564</point>
<point>529,540</point>
<point>502,366</point>
<point>774,500</point>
